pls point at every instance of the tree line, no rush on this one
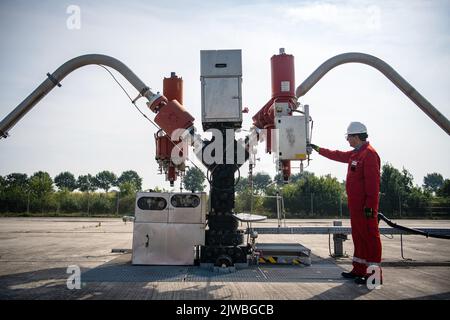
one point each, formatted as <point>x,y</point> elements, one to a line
<point>20,193</point>
<point>306,196</point>
<point>65,194</point>
<point>310,196</point>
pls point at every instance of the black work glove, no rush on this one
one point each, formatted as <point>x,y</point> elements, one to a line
<point>368,212</point>
<point>317,148</point>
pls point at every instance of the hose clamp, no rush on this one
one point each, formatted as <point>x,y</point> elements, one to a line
<point>53,79</point>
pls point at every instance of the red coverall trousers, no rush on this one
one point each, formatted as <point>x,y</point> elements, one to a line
<point>363,186</point>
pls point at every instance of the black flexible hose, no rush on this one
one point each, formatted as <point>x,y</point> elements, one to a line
<point>410,230</point>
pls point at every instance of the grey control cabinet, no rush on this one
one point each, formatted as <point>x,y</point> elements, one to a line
<point>221,81</point>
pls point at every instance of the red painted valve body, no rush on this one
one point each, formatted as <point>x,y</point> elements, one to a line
<point>173,116</point>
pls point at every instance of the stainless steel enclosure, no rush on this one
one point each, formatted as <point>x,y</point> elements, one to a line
<point>221,78</point>
<point>290,137</point>
<point>168,227</point>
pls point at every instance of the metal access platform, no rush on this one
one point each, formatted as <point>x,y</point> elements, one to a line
<point>282,253</point>
<point>273,253</point>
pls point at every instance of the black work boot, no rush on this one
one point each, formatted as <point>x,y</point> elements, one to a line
<point>349,275</point>
<point>363,280</point>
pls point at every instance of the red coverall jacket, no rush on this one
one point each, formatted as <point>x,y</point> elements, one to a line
<point>363,186</point>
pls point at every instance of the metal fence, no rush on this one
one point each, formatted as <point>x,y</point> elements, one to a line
<point>316,205</point>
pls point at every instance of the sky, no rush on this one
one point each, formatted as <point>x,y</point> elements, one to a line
<point>89,125</point>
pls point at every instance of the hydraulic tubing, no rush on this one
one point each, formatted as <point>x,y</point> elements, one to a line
<point>385,69</point>
<point>53,80</point>
<point>410,230</point>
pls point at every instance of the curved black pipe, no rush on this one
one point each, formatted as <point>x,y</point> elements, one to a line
<point>410,230</point>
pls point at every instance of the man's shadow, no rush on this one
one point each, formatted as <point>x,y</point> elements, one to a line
<point>348,290</point>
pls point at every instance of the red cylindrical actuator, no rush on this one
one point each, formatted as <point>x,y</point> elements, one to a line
<point>283,75</point>
<point>286,170</point>
<point>171,174</point>
<point>173,88</point>
<point>164,146</point>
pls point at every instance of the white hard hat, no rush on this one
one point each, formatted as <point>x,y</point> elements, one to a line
<point>356,127</point>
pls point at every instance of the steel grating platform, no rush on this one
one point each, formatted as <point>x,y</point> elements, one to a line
<point>130,273</point>
<point>126,272</point>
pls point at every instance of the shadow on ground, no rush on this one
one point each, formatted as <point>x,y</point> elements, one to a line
<point>119,279</point>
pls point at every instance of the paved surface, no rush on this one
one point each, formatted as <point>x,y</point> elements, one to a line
<point>35,254</point>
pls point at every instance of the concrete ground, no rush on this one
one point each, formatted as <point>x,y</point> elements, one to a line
<point>36,252</point>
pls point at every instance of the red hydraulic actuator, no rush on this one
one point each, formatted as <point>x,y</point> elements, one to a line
<point>173,115</point>
<point>164,146</point>
<point>283,75</point>
<point>171,174</point>
<point>164,151</point>
<point>170,117</point>
<point>286,169</point>
<point>173,88</point>
<point>283,90</point>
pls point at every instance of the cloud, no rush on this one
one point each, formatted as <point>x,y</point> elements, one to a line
<point>345,17</point>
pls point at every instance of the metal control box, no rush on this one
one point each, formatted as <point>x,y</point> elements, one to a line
<point>221,81</point>
<point>290,136</point>
<point>168,227</point>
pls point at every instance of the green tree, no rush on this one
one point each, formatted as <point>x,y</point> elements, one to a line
<point>407,181</point>
<point>2,194</point>
<point>417,201</point>
<point>242,185</point>
<point>444,191</point>
<point>243,202</point>
<point>127,188</point>
<point>391,189</point>
<point>41,186</point>
<point>399,195</point>
<point>14,193</point>
<point>433,182</point>
<point>68,202</point>
<point>66,180</point>
<point>105,180</point>
<point>129,182</point>
<point>260,182</point>
<point>309,196</point>
<point>194,179</point>
<point>85,183</point>
<point>2,187</point>
<point>17,180</point>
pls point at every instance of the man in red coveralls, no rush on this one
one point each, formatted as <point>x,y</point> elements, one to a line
<point>363,186</point>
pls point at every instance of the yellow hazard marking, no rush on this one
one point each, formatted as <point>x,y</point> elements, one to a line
<point>278,260</point>
<point>271,260</point>
<point>300,156</point>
